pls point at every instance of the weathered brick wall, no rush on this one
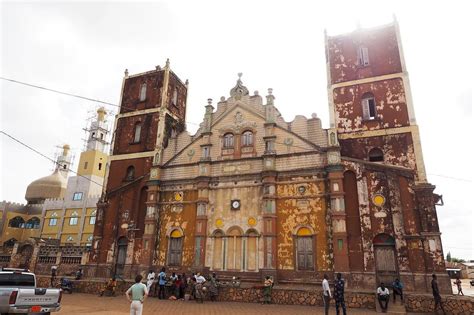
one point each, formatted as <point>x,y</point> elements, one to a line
<point>424,303</point>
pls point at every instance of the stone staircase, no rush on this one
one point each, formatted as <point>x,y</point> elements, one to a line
<point>396,308</point>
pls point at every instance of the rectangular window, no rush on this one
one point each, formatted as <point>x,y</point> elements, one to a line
<point>53,221</point>
<point>143,92</point>
<point>138,130</point>
<point>269,147</point>
<point>73,221</point>
<point>85,165</point>
<point>77,196</point>
<point>340,244</point>
<point>197,254</point>
<point>363,56</point>
<point>368,109</point>
<point>92,220</point>
<point>100,166</point>
<point>206,152</point>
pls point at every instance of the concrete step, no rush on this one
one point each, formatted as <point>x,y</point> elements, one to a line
<point>393,308</point>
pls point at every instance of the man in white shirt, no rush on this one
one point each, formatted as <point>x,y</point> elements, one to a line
<point>326,294</point>
<point>199,288</point>
<point>150,278</point>
<point>383,295</point>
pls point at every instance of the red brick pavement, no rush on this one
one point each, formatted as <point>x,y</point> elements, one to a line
<point>78,303</point>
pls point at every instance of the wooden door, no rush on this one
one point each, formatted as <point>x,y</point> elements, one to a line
<point>305,254</point>
<point>121,255</point>
<point>385,264</point>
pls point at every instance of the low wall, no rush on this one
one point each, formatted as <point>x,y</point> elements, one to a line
<point>424,303</point>
<point>244,294</point>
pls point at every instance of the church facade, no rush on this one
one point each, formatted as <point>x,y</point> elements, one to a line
<point>250,194</point>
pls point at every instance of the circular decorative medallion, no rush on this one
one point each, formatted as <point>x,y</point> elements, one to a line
<point>378,200</point>
<point>301,189</point>
<point>252,221</point>
<point>178,196</point>
<point>219,223</point>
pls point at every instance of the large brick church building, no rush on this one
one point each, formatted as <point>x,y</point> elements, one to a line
<point>250,194</point>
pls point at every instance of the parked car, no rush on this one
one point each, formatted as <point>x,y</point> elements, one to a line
<point>19,294</point>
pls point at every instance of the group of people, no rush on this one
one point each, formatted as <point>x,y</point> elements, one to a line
<point>175,286</point>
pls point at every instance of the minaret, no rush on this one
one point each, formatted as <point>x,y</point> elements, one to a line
<point>93,161</point>
<point>98,132</point>
<point>63,161</point>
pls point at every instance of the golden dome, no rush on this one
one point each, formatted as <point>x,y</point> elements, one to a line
<point>52,186</point>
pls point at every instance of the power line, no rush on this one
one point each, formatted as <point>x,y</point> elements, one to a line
<point>75,95</point>
<point>45,156</point>
<point>59,92</point>
<point>450,177</point>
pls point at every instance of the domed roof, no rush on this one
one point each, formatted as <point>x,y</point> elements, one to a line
<point>52,186</point>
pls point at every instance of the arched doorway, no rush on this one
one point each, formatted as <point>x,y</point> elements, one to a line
<point>26,252</point>
<point>121,255</point>
<point>385,259</point>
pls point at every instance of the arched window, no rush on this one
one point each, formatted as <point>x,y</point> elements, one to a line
<point>234,249</point>
<point>368,107</point>
<point>247,138</point>
<point>17,222</point>
<point>174,100</point>
<point>143,92</point>
<point>137,133</point>
<point>228,141</point>
<point>175,251</point>
<point>218,257</point>
<point>304,249</point>
<point>375,155</point>
<point>130,173</point>
<point>252,250</point>
<point>33,223</point>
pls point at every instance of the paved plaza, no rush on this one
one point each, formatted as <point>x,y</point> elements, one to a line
<point>78,303</point>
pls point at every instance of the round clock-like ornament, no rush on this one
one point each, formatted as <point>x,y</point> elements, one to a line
<point>235,204</point>
<point>252,221</point>
<point>378,200</point>
<point>178,196</point>
<point>219,223</point>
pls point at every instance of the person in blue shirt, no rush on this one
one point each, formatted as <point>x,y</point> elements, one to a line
<point>397,289</point>
<point>339,294</point>
<point>161,283</point>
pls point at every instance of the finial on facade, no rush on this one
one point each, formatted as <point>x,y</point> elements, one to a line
<point>240,75</point>
<point>158,68</point>
<point>126,72</point>
<point>313,115</point>
<point>66,149</point>
<point>167,63</point>
<point>222,98</point>
<point>239,89</point>
<point>187,82</point>
<point>255,93</point>
<point>270,97</point>
<point>209,101</point>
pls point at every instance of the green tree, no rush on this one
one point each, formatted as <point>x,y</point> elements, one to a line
<point>448,257</point>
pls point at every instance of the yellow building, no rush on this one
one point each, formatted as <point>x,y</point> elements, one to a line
<point>21,222</point>
<point>71,219</point>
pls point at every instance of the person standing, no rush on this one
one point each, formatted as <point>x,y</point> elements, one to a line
<point>383,295</point>
<point>436,295</point>
<point>150,278</point>
<point>162,283</point>
<point>213,290</point>
<point>54,270</point>
<point>326,294</point>
<point>397,289</point>
<point>267,290</point>
<point>139,293</point>
<point>458,283</point>
<point>199,288</point>
<point>339,294</point>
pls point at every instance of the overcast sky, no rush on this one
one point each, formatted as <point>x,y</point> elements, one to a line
<point>84,48</point>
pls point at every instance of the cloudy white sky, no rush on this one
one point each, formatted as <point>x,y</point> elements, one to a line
<point>84,47</point>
